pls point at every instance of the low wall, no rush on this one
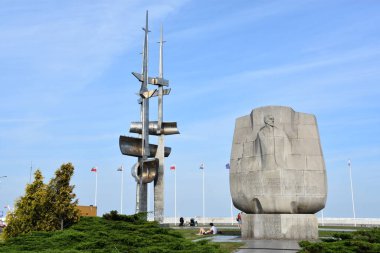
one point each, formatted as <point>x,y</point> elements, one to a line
<point>201,221</point>
<point>361,222</point>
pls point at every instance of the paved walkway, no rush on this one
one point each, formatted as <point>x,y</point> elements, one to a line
<point>267,246</point>
<point>259,246</point>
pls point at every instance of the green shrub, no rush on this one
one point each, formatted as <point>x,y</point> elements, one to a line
<point>361,241</point>
<point>113,233</point>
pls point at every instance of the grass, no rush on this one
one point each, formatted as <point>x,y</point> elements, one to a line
<point>191,234</point>
<point>133,235</point>
<point>362,240</point>
<point>94,234</point>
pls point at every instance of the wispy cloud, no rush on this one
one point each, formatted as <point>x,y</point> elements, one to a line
<point>247,79</point>
<point>252,13</point>
<point>72,45</point>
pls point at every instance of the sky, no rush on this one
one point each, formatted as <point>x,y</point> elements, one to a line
<point>67,92</point>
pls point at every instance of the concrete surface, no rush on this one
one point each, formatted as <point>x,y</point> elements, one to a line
<point>279,226</point>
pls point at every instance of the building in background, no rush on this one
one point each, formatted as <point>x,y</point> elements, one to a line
<point>90,211</point>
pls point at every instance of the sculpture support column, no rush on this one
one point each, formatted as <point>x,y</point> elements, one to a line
<point>143,203</point>
<point>159,183</point>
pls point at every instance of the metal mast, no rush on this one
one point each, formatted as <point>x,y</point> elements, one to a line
<point>159,181</point>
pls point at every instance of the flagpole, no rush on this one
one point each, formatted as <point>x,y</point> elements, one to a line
<point>323,223</point>
<point>352,193</point>
<point>175,197</point>
<point>232,215</point>
<point>96,185</point>
<point>203,194</point>
<point>122,182</point>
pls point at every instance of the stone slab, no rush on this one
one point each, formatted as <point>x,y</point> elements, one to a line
<point>280,226</point>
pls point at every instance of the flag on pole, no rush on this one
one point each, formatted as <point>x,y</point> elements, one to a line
<point>172,167</point>
<point>94,169</point>
<point>202,166</point>
<point>227,166</point>
<point>120,168</point>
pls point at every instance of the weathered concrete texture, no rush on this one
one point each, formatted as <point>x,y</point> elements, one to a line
<point>279,226</point>
<point>277,164</point>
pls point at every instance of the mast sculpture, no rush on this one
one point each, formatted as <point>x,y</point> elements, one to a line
<point>150,165</point>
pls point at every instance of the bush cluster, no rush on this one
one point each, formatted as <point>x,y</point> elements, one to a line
<point>121,233</point>
<point>135,218</point>
<point>358,241</point>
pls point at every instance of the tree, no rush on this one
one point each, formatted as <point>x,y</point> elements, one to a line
<point>29,213</point>
<point>45,207</point>
<point>61,198</point>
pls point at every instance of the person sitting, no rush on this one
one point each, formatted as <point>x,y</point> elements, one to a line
<point>181,221</point>
<point>192,222</point>
<point>212,231</point>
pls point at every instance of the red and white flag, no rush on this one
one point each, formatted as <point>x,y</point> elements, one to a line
<point>94,169</point>
<point>172,167</point>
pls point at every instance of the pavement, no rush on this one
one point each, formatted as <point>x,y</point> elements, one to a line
<point>258,246</point>
<point>269,246</point>
<point>266,246</point>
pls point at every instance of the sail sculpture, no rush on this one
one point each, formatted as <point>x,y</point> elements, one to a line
<point>150,157</point>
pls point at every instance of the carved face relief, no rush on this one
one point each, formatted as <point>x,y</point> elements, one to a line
<point>269,120</point>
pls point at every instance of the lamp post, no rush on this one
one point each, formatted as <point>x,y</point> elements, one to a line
<point>352,192</point>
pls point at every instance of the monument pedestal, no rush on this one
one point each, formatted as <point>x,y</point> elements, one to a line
<point>279,226</point>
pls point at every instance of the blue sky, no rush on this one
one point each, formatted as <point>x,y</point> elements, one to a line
<point>67,92</point>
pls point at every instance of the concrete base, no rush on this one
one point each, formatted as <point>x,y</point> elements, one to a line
<point>279,226</point>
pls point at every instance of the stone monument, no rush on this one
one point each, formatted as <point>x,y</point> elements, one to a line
<point>277,173</point>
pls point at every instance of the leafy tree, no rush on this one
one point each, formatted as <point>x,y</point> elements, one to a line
<point>29,213</point>
<point>61,198</point>
<point>45,207</point>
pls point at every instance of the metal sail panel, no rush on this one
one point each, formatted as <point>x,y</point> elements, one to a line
<point>146,173</point>
<point>132,146</point>
<point>152,80</point>
<point>168,128</point>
